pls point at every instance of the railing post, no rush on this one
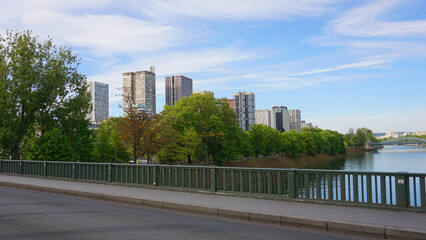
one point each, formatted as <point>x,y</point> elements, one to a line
<point>73,173</point>
<point>402,193</point>
<point>1,165</point>
<point>292,183</point>
<point>20,167</point>
<point>213,186</point>
<point>45,169</point>
<point>155,176</point>
<point>110,172</point>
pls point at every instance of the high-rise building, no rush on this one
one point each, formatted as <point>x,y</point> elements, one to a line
<point>295,119</point>
<point>304,124</point>
<point>263,117</point>
<point>99,100</point>
<point>177,87</point>
<point>280,118</point>
<point>139,90</point>
<point>244,106</point>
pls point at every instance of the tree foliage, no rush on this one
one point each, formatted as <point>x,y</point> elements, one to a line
<point>108,147</point>
<point>51,146</point>
<point>359,138</point>
<point>40,91</point>
<point>212,122</point>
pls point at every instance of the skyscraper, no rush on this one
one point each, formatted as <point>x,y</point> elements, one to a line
<point>177,87</point>
<point>244,106</point>
<point>295,117</point>
<point>280,118</point>
<point>139,90</point>
<point>99,100</point>
<point>263,117</point>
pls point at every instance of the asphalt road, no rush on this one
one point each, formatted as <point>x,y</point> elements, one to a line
<point>28,214</point>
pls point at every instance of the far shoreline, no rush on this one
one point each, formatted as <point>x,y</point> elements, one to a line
<point>303,161</point>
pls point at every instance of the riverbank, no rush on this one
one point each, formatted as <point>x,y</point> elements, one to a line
<point>303,161</point>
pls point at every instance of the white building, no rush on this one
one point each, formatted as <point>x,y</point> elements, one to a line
<point>280,118</point>
<point>99,98</point>
<point>263,117</point>
<point>295,119</point>
<point>139,89</point>
<point>244,106</point>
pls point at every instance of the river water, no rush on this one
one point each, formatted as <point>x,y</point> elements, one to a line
<point>411,159</point>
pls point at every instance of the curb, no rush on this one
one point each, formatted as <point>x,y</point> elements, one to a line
<point>379,231</point>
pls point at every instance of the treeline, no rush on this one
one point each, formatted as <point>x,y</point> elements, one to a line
<point>201,128</point>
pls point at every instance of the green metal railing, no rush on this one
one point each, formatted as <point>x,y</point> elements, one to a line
<point>398,190</point>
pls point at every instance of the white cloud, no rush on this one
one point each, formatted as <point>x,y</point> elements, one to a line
<point>80,25</point>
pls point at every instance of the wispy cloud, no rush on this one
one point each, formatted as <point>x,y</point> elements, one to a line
<point>368,21</point>
<point>238,9</point>
<point>360,64</point>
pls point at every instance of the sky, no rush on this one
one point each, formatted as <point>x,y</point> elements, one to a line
<point>343,63</point>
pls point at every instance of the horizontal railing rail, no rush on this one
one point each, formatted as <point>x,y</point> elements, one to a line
<point>389,189</point>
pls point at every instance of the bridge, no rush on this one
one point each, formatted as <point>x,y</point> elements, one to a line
<point>396,141</point>
<point>249,194</point>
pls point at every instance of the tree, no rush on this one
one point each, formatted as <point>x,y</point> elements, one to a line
<point>40,90</point>
<point>213,122</point>
<point>51,146</point>
<point>292,143</point>
<point>108,147</point>
<point>133,128</point>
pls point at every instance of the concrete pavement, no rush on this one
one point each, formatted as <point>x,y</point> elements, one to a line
<point>380,223</point>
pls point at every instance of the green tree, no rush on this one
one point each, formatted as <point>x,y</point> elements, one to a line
<point>333,142</point>
<point>51,146</point>
<point>292,143</point>
<point>213,122</point>
<point>108,147</point>
<point>264,140</point>
<point>40,90</point>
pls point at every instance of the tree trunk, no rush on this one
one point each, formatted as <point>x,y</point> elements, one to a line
<point>15,151</point>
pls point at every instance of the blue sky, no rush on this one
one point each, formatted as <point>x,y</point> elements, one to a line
<point>342,63</point>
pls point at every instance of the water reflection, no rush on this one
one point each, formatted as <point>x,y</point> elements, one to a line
<point>389,159</point>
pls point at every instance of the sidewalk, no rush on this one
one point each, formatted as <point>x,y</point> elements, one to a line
<point>373,222</point>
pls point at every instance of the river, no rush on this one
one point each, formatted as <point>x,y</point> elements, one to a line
<point>410,159</point>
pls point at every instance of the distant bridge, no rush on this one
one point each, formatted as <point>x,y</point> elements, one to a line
<point>396,141</point>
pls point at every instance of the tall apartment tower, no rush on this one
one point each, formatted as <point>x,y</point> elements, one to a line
<point>263,117</point>
<point>177,87</point>
<point>295,121</point>
<point>244,106</point>
<point>280,118</point>
<point>139,90</point>
<point>99,100</point>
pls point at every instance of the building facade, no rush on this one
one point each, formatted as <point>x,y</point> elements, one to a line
<point>280,118</point>
<point>304,124</point>
<point>139,90</point>
<point>99,99</point>
<point>231,103</point>
<point>263,117</point>
<point>295,119</point>
<point>244,106</point>
<point>177,87</point>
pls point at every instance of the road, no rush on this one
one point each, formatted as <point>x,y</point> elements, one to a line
<point>28,214</point>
